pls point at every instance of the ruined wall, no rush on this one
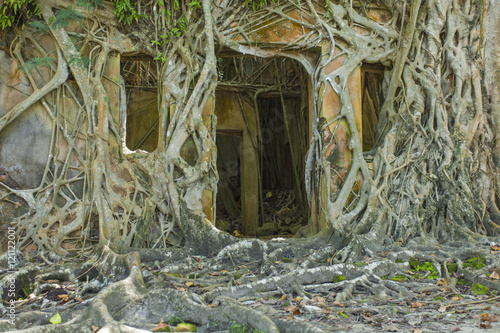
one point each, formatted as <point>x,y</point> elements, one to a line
<point>24,143</point>
<point>24,149</point>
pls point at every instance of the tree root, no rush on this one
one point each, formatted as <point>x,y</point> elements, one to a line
<point>132,299</point>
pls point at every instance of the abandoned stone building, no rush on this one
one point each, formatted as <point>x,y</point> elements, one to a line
<point>266,115</point>
<point>264,106</point>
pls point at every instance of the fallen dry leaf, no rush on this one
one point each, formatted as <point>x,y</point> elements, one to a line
<point>162,327</point>
<point>442,282</point>
<point>189,284</point>
<point>485,325</point>
<point>291,308</point>
<point>214,273</point>
<point>495,247</point>
<point>298,299</point>
<point>442,308</point>
<point>454,329</point>
<point>488,317</point>
<point>78,299</point>
<point>417,304</point>
<point>336,303</point>
<point>456,298</point>
<point>416,330</point>
<point>94,328</point>
<point>494,276</point>
<point>320,301</point>
<point>282,297</point>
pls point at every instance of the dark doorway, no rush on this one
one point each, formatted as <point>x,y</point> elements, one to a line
<point>266,101</point>
<point>140,75</point>
<point>283,130</point>
<point>229,186</point>
<point>372,100</point>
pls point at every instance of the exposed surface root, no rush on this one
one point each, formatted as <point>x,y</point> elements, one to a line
<point>232,287</point>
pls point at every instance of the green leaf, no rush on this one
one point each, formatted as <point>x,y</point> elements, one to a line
<point>30,65</point>
<point>40,26</point>
<point>194,4</point>
<point>56,319</point>
<point>80,61</point>
<point>64,16</point>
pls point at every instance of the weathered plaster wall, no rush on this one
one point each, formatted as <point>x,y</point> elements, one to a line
<point>24,143</point>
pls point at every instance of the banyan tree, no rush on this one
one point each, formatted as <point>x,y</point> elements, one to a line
<point>126,127</point>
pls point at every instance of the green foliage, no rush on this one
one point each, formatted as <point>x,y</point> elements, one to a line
<point>30,65</point>
<point>452,268</point>
<point>184,327</point>
<point>479,289</point>
<point>259,4</point>
<point>90,4</point>
<point>194,4</point>
<point>64,16</point>
<point>125,11</point>
<point>475,263</point>
<point>81,61</point>
<point>40,26</point>
<point>339,278</point>
<point>360,263</point>
<point>463,282</point>
<point>399,278</point>
<point>14,10</point>
<point>328,9</point>
<point>418,266</point>
<point>174,320</point>
<point>175,32</point>
<point>240,328</point>
<point>27,290</point>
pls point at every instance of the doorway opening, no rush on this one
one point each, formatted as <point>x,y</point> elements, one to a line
<point>262,109</point>
<point>229,186</point>
<point>140,74</point>
<point>372,77</point>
